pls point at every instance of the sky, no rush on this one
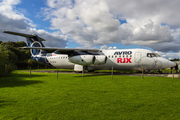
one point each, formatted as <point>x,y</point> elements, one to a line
<point>149,24</point>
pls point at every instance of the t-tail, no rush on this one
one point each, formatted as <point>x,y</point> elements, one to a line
<point>32,41</point>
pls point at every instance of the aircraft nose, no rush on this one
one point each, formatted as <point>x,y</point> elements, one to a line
<point>170,64</point>
<point>164,63</point>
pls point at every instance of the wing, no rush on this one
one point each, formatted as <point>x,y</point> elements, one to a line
<point>62,50</point>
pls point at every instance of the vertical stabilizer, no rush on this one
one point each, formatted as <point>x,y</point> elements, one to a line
<point>32,41</point>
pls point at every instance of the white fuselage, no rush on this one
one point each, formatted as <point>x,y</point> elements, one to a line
<point>119,59</point>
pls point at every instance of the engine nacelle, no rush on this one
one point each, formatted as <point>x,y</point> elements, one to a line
<point>100,59</point>
<point>82,59</point>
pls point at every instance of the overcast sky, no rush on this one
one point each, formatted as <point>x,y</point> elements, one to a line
<point>152,24</point>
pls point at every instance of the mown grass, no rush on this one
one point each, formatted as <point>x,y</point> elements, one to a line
<point>95,97</point>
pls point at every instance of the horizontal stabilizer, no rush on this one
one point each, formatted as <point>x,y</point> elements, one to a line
<point>23,35</point>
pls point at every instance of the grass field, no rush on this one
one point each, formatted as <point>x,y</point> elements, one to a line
<point>95,97</point>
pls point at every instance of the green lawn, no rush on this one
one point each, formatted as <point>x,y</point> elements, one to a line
<point>95,97</point>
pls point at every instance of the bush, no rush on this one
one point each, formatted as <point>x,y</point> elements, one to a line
<point>5,60</point>
<point>9,68</point>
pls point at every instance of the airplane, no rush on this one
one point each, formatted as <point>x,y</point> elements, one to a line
<point>93,59</point>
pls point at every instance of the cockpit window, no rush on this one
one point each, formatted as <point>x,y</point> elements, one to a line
<point>153,55</point>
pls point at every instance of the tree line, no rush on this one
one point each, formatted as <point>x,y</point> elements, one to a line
<point>12,57</point>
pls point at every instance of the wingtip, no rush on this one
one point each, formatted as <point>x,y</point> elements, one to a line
<point>23,47</point>
<point>5,31</point>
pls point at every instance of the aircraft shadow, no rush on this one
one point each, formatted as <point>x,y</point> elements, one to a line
<point>18,80</point>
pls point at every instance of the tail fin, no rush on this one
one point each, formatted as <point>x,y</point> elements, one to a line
<point>32,41</point>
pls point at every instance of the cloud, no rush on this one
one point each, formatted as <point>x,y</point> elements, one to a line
<point>104,21</point>
<point>89,23</point>
<point>159,11</point>
<point>153,24</point>
<point>169,55</point>
<point>12,20</point>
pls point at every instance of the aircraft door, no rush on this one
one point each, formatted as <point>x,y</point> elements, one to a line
<point>137,57</point>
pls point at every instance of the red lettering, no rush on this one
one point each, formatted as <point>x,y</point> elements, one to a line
<point>125,60</point>
<point>119,60</point>
<point>128,60</point>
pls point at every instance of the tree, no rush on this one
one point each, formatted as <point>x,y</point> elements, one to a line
<point>13,44</point>
<point>11,51</point>
<point>7,58</point>
<point>21,44</point>
<point>14,55</point>
<point>22,54</point>
<point>4,57</point>
<point>30,62</point>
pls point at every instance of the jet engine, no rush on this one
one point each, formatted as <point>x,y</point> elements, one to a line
<point>83,59</point>
<point>100,59</point>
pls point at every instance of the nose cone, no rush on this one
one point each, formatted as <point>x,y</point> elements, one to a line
<point>162,63</point>
<point>168,64</point>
